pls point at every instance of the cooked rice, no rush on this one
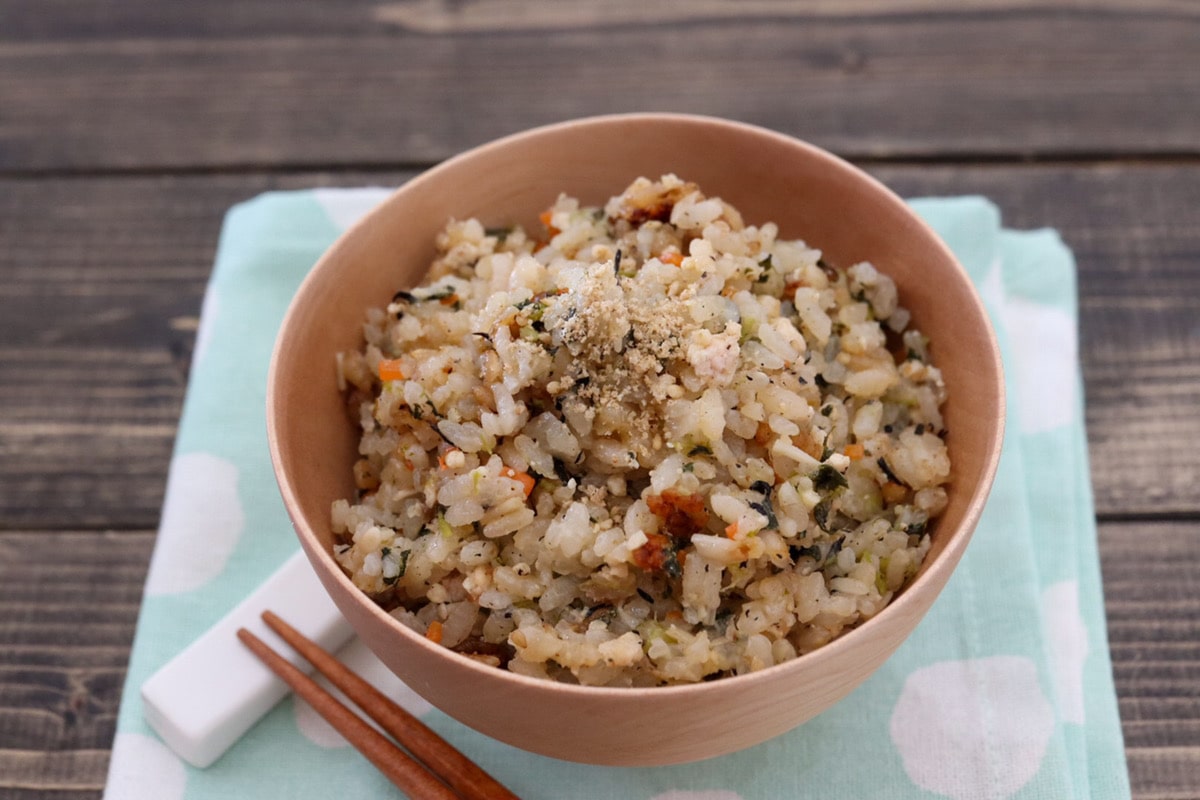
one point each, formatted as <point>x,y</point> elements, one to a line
<point>656,445</point>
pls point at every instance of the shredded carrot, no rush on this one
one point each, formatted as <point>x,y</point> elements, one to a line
<point>545,217</point>
<point>434,632</point>
<point>674,615</point>
<point>894,492</point>
<point>389,370</point>
<point>526,480</point>
<point>449,300</point>
<point>855,451</point>
<point>731,530</point>
<point>671,256</point>
<point>762,434</point>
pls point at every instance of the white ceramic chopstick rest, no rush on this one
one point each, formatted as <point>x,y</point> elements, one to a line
<point>205,698</point>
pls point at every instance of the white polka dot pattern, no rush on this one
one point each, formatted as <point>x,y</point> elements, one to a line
<point>143,768</point>
<point>975,729</point>
<point>346,206</point>
<point>1043,340</point>
<point>1068,643</point>
<point>202,521</point>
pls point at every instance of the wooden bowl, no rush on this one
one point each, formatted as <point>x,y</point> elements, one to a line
<point>811,195</point>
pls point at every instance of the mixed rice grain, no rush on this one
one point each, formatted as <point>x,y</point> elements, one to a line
<point>655,445</point>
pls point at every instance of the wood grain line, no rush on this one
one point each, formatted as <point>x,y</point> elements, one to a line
<point>53,771</point>
<point>1014,85</point>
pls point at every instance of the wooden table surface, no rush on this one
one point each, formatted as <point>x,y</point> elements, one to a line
<point>127,127</point>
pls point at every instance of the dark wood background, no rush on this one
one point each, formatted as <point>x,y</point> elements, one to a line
<point>127,127</point>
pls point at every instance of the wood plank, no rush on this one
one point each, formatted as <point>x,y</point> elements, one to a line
<point>1164,773</point>
<point>66,20</point>
<point>58,704</point>
<point>1041,80</point>
<point>68,606</point>
<point>1136,241</point>
<point>93,452</point>
<point>102,283</point>
<point>1152,595</point>
<point>68,770</point>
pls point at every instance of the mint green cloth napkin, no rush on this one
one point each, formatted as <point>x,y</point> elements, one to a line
<point>1004,691</point>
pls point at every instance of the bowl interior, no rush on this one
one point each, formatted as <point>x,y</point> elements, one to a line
<point>768,177</point>
<point>810,194</point>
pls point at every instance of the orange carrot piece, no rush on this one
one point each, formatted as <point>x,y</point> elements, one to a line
<point>671,256</point>
<point>434,632</point>
<point>731,530</point>
<point>855,451</point>
<point>545,217</point>
<point>894,492</point>
<point>526,480</point>
<point>389,370</point>
<point>442,457</point>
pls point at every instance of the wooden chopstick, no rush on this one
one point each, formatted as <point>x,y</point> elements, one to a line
<point>437,755</point>
<point>396,765</point>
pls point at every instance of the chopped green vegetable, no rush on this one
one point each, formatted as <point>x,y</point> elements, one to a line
<point>891,476</point>
<point>441,294</point>
<point>827,478</point>
<point>806,551</point>
<point>671,564</point>
<point>762,487</point>
<point>835,548</point>
<point>821,513</point>
<point>767,511</point>
<point>723,618</point>
<point>402,566</point>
